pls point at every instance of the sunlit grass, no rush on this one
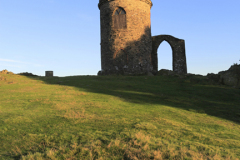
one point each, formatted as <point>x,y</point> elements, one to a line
<point>89,117</point>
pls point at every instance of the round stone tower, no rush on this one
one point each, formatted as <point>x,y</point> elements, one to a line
<point>126,41</point>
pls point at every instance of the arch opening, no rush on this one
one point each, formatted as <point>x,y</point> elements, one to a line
<point>179,63</point>
<point>165,56</point>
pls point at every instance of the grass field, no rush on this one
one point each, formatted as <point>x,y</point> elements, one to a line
<point>117,117</point>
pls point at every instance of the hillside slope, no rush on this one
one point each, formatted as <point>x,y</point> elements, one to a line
<point>117,117</point>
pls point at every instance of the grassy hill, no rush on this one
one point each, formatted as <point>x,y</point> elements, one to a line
<point>117,117</point>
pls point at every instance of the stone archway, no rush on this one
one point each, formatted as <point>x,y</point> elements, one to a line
<point>178,52</point>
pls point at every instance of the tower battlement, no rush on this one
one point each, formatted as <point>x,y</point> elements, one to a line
<point>101,2</point>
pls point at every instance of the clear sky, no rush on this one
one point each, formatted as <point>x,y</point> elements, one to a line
<point>64,35</point>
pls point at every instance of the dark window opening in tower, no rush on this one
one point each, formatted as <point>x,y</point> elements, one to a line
<point>119,19</point>
<point>122,12</point>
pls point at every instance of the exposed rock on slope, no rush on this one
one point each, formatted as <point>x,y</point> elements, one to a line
<point>231,77</point>
<point>6,72</point>
<point>27,74</point>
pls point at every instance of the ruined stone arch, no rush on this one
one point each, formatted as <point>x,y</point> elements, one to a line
<point>178,53</point>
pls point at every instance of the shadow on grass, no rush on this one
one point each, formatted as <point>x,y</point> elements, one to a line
<point>218,101</point>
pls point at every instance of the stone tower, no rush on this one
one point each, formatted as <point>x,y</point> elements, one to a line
<point>126,41</point>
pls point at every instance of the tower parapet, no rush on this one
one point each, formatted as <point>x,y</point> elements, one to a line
<point>101,2</point>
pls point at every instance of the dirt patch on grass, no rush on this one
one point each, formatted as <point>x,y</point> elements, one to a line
<point>2,78</point>
<point>71,114</point>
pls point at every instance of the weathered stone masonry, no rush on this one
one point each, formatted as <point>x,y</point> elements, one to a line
<point>126,41</point>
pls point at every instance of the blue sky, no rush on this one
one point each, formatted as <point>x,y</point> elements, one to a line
<point>64,35</point>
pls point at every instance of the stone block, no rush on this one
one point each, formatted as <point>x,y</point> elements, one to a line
<point>48,73</point>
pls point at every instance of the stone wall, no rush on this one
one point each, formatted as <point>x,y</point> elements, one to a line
<point>178,53</point>
<point>126,50</point>
<point>230,77</point>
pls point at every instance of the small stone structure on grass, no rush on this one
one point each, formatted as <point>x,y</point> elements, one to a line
<point>48,73</point>
<point>127,46</point>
